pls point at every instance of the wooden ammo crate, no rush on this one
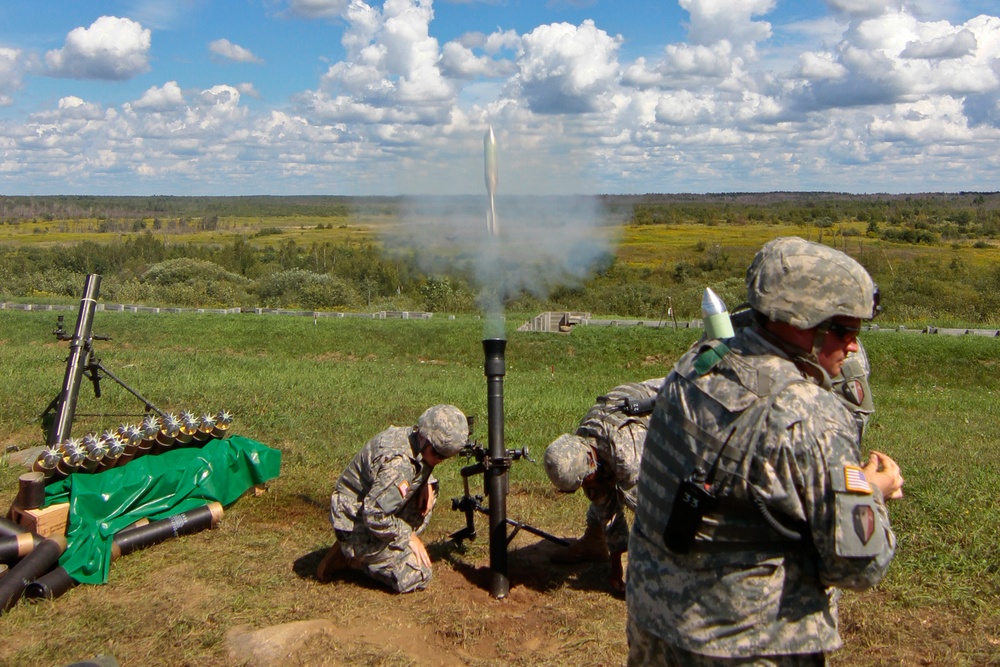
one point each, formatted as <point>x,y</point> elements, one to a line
<point>44,521</point>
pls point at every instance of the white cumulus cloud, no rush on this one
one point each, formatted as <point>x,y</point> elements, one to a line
<point>731,20</point>
<point>392,72</point>
<point>111,48</point>
<point>313,9</point>
<point>226,49</point>
<point>564,68</point>
<point>161,99</point>
<point>10,74</point>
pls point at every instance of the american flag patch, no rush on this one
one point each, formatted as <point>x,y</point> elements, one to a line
<point>855,480</point>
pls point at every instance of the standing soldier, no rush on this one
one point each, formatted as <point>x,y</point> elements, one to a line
<point>603,457</point>
<point>850,386</point>
<point>753,499</point>
<point>383,501</point>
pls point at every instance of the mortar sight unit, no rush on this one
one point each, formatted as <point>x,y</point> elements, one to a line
<point>470,504</point>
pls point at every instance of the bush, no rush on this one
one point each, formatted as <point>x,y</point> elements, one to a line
<point>444,295</point>
<point>186,270</point>
<point>305,289</point>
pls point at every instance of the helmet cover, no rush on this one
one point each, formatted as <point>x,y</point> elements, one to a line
<point>446,428</point>
<point>804,284</point>
<point>568,462</point>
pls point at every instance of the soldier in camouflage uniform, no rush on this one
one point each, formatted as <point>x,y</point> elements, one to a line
<point>603,458</point>
<point>850,386</point>
<point>383,500</point>
<point>753,501</point>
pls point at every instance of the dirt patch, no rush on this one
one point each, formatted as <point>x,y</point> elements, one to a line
<point>456,621</point>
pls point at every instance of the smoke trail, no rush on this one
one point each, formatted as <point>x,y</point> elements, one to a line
<point>528,245</point>
<point>544,242</point>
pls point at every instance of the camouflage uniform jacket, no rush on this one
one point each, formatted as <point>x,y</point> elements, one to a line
<point>618,439</point>
<point>373,495</point>
<point>746,589</point>
<point>852,387</point>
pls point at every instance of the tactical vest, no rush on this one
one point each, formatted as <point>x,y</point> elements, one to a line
<point>607,415</point>
<point>709,418</point>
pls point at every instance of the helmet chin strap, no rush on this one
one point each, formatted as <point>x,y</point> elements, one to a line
<point>811,359</point>
<point>806,360</point>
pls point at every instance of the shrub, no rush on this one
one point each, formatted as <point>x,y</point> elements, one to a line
<point>305,289</point>
<point>186,270</point>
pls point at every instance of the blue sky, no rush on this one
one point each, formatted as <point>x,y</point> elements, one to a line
<point>585,96</point>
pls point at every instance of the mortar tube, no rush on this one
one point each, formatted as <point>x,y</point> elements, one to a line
<point>15,547</point>
<point>110,460</point>
<point>50,586</point>
<point>134,538</point>
<point>185,435</point>
<point>496,482</point>
<point>79,347</point>
<point>41,559</point>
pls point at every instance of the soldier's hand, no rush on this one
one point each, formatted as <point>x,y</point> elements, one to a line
<point>418,549</point>
<point>427,499</point>
<point>884,473</point>
<point>617,573</point>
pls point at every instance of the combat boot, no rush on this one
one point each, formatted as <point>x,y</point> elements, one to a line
<point>334,561</point>
<point>591,548</point>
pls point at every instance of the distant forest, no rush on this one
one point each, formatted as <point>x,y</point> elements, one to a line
<point>981,207</point>
<point>151,255</point>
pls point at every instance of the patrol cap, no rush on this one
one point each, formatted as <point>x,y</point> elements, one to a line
<point>804,284</point>
<point>568,461</point>
<point>446,428</point>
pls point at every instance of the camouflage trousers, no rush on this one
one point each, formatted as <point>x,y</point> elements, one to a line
<point>394,567</point>
<point>646,649</point>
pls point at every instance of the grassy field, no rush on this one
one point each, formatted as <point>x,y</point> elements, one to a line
<point>318,391</point>
<point>563,254</point>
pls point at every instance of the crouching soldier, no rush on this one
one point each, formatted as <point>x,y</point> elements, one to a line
<point>384,499</point>
<point>602,457</point>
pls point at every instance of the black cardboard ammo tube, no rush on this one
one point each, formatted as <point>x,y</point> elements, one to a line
<point>41,559</point>
<point>50,586</point>
<point>8,527</point>
<point>132,539</point>
<point>15,547</point>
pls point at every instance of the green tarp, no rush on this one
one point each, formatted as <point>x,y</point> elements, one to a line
<point>153,487</point>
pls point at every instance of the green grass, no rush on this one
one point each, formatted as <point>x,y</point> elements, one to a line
<point>319,391</point>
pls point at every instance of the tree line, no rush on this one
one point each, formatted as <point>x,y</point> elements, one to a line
<point>146,268</point>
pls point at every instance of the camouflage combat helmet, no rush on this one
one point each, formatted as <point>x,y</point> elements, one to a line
<point>804,284</point>
<point>446,428</point>
<point>568,462</point>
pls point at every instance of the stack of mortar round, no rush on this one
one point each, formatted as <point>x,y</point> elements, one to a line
<point>93,453</point>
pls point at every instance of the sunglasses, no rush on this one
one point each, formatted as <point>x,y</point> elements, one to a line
<point>842,331</point>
